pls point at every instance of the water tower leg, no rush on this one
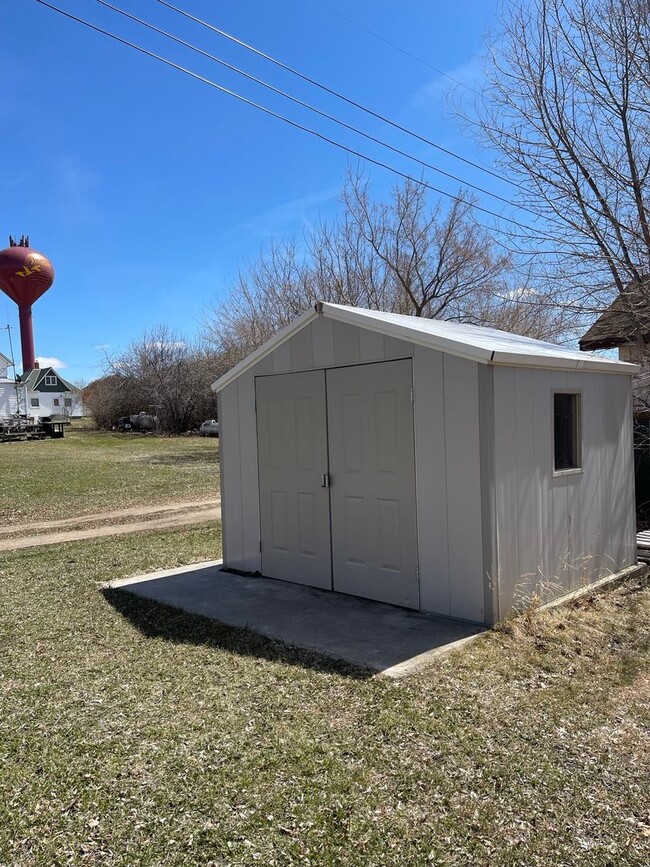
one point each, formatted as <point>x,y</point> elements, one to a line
<point>27,337</point>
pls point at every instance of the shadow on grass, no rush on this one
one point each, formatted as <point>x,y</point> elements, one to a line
<point>178,459</point>
<point>156,620</point>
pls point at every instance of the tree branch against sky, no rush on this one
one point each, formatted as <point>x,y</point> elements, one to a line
<point>406,254</point>
<point>567,106</point>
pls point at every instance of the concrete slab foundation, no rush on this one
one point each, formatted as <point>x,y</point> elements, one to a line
<point>372,635</point>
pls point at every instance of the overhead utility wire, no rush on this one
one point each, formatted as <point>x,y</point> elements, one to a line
<point>310,107</point>
<point>337,94</point>
<point>277,115</point>
<point>392,44</point>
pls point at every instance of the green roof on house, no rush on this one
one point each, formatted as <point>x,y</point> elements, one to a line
<point>36,380</point>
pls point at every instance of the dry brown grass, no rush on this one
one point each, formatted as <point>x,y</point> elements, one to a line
<point>135,734</point>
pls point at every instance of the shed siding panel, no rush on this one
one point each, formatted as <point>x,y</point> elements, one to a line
<point>222,488</point>
<point>559,575</point>
<point>576,538</point>
<point>371,345</point>
<point>578,526</point>
<point>505,439</point>
<point>621,500</point>
<point>394,348</point>
<point>281,358</point>
<point>462,451</point>
<point>543,433</point>
<point>302,349</point>
<point>346,344</point>
<point>249,475</point>
<point>591,484</point>
<point>488,492</point>
<point>323,339</point>
<point>528,555</point>
<point>231,470</point>
<point>264,365</point>
<point>431,482</point>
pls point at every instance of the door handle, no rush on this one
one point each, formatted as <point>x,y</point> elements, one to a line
<point>325,483</point>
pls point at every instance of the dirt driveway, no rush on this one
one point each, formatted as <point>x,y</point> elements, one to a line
<point>131,520</point>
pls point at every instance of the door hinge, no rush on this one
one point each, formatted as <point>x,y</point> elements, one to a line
<point>412,395</point>
<point>325,483</point>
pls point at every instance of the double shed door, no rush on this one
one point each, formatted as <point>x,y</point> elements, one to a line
<point>337,480</point>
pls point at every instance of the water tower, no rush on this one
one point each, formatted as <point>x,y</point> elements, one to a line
<point>25,275</point>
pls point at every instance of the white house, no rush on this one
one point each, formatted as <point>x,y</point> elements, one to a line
<point>47,393</point>
<point>447,468</point>
<point>8,399</point>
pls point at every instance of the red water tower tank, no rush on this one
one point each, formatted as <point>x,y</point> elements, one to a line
<point>25,274</point>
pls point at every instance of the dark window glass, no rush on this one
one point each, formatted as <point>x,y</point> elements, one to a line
<point>565,413</point>
<point>34,401</point>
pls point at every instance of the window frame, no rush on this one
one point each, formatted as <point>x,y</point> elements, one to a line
<point>34,402</point>
<point>579,468</point>
<point>50,379</point>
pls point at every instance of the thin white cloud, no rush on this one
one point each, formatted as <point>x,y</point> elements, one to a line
<point>50,361</point>
<point>519,293</point>
<point>432,94</point>
<point>77,185</point>
<point>289,216</point>
<point>168,344</point>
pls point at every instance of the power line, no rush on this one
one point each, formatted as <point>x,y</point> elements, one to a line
<point>337,94</point>
<point>309,106</point>
<point>279,116</point>
<point>392,44</point>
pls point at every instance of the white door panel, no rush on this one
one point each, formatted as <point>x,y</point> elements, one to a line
<point>294,505</point>
<point>372,472</point>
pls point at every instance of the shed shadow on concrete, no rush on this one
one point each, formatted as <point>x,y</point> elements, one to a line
<point>284,622</point>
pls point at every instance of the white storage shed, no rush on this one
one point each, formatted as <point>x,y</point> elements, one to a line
<point>447,468</point>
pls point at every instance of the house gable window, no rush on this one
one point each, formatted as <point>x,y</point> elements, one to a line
<point>50,380</point>
<point>567,432</point>
<point>35,401</point>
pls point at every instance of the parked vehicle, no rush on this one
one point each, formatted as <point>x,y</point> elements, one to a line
<point>209,428</point>
<point>140,422</point>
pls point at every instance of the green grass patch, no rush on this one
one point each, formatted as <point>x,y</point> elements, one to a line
<point>134,734</point>
<point>89,472</point>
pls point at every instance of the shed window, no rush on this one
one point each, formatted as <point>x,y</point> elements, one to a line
<point>50,380</point>
<point>566,420</point>
<point>34,401</point>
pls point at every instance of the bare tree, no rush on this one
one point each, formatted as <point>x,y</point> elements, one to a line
<point>405,255</point>
<point>567,105</point>
<point>160,373</point>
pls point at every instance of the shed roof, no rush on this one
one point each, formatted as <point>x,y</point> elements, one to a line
<point>474,342</point>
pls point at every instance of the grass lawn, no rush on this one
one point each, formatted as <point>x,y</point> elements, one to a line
<point>133,734</point>
<point>89,472</point>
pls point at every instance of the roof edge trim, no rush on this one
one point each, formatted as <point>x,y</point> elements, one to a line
<point>361,318</point>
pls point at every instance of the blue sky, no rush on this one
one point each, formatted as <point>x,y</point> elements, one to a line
<point>148,190</point>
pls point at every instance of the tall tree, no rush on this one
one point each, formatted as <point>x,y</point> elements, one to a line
<point>160,373</point>
<point>567,105</point>
<point>404,255</point>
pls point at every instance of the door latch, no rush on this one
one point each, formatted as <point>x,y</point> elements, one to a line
<point>326,480</point>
